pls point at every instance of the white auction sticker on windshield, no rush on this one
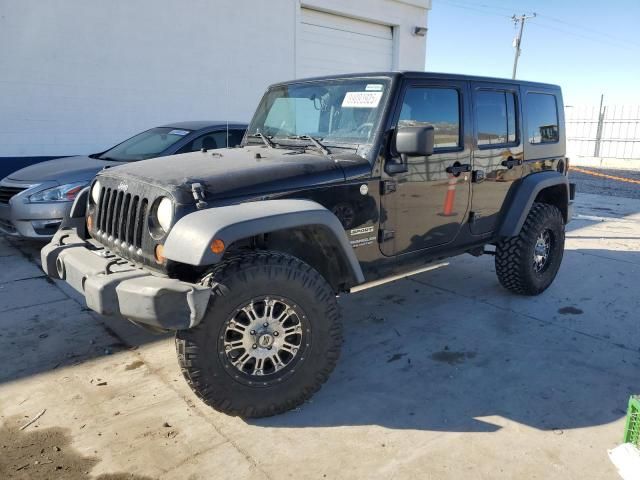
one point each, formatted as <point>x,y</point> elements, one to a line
<point>374,87</point>
<point>182,133</point>
<point>362,99</point>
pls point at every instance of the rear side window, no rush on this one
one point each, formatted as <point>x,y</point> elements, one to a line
<point>542,118</point>
<point>235,138</point>
<point>496,117</point>
<point>213,140</point>
<point>439,107</point>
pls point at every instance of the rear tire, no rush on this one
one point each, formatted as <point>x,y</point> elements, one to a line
<point>243,358</point>
<point>528,263</point>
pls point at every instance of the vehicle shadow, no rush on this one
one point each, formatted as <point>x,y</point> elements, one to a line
<point>44,325</point>
<point>444,350</point>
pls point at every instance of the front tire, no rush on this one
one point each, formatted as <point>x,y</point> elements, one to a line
<point>528,263</point>
<point>270,338</point>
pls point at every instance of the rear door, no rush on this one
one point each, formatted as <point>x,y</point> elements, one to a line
<point>426,206</point>
<point>498,151</point>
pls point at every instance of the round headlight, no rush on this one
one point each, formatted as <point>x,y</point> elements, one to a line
<point>164,214</point>
<point>95,192</point>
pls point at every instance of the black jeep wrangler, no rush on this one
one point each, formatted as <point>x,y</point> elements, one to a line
<point>340,183</point>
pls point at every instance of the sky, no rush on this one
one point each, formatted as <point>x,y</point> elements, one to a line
<point>589,48</point>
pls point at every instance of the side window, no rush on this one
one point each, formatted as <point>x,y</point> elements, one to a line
<point>542,118</point>
<point>210,141</point>
<point>235,137</point>
<point>496,117</point>
<point>439,107</point>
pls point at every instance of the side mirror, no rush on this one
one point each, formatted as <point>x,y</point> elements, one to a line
<point>415,141</point>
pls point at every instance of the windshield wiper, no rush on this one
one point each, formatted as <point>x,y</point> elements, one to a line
<point>266,140</point>
<point>313,140</point>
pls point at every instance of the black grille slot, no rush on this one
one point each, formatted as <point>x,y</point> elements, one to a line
<point>115,217</point>
<point>121,216</point>
<point>131,216</point>
<point>7,193</point>
<point>140,221</point>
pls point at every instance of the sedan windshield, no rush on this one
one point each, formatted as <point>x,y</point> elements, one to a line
<point>145,145</point>
<point>332,111</point>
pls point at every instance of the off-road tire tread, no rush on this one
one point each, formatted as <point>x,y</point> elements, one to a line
<point>189,355</point>
<point>509,260</point>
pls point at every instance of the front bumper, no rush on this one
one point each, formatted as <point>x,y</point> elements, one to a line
<point>113,286</point>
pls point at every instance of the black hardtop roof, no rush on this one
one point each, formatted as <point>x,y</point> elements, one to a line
<point>426,75</point>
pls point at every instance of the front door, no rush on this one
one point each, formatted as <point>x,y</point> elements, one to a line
<point>425,206</point>
<point>498,154</point>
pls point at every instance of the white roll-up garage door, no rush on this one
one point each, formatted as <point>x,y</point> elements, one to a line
<point>330,44</point>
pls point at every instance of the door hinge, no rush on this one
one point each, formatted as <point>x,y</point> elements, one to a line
<point>384,235</point>
<point>387,186</point>
<point>477,176</point>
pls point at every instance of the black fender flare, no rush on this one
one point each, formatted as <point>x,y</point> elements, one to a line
<point>189,241</point>
<point>76,217</point>
<point>525,193</point>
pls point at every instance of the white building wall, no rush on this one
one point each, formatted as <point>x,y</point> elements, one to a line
<point>77,76</point>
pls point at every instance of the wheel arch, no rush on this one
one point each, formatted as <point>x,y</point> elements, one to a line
<point>302,228</point>
<point>548,187</point>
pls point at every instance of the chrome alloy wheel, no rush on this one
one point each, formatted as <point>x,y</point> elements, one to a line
<point>264,336</point>
<point>541,251</point>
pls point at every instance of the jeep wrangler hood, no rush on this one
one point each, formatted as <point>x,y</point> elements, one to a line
<point>248,170</point>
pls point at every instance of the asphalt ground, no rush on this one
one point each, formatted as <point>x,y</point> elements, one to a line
<point>599,181</point>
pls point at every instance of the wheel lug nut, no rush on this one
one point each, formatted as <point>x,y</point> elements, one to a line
<point>265,324</point>
<point>275,334</point>
<point>255,346</point>
<point>228,347</point>
<point>253,332</point>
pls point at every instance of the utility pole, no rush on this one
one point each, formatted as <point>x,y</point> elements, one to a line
<point>518,40</point>
<point>601,114</point>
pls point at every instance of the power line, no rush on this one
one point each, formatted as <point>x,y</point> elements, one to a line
<point>601,35</point>
<point>589,29</point>
<point>470,5</point>
<point>473,9</point>
<point>584,36</point>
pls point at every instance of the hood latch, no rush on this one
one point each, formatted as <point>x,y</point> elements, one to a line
<point>198,195</point>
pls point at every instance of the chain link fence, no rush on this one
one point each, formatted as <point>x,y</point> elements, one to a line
<point>607,131</point>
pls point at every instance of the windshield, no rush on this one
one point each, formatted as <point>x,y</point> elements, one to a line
<point>145,145</point>
<point>333,111</point>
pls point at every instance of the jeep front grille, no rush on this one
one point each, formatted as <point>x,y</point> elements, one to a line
<point>121,216</point>
<point>7,193</point>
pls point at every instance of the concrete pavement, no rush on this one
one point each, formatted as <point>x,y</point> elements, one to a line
<point>443,375</point>
<point>607,181</point>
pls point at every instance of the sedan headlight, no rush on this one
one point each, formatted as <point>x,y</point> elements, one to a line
<point>164,214</point>
<point>95,191</point>
<point>63,193</point>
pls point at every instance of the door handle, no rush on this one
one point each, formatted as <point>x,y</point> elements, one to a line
<point>457,168</point>
<point>511,162</point>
